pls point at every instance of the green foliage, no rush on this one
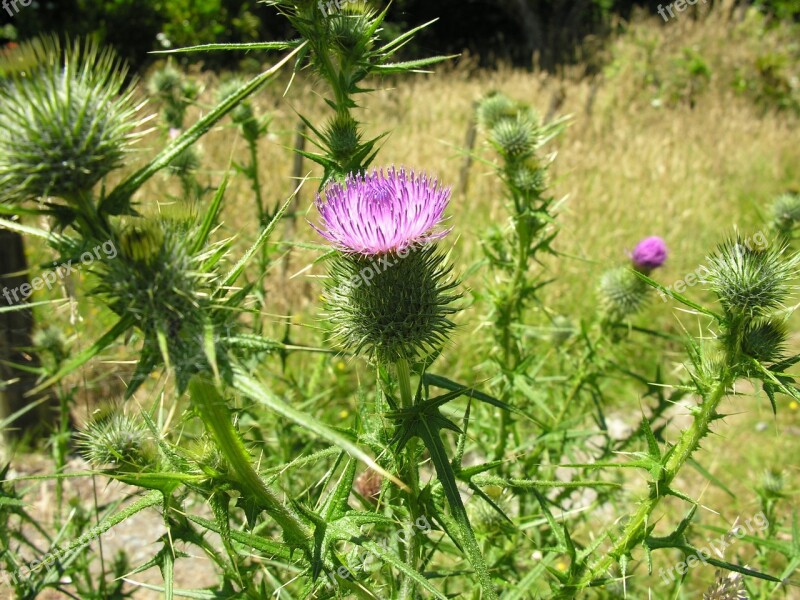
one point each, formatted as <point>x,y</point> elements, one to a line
<point>234,436</point>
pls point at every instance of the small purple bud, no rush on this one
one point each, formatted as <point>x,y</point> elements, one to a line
<point>649,254</point>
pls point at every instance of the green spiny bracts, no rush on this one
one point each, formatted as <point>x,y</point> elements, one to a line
<point>527,177</point>
<point>141,240</point>
<point>65,123</point>
<point>392,307</point>
<point>515,138</point>
<point>765,340</point>
<point>773,484</point>
<point>175,92</point>
<point>165,82</point>
<point>750,280</point>
<point>622,293</point>
<point>185,164</point>
<point>486,517</point>
<point>117,439</point>
<point>496,108</point>
<point>51,342</point>
<point>162,287</point>
<point>342,136</point>
<point>348,30</point>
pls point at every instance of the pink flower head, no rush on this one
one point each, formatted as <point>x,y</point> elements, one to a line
<point>649,254</point>
<point>381,213</point>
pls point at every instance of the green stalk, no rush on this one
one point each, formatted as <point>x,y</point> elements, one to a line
<point>263,221</point>
<point>411,476</point>
<point>60,446</point>
<point>513,312</point>
<point>636,529</point>
<point>216,417</point>
<point>255,182</point>
<point>404,381</point>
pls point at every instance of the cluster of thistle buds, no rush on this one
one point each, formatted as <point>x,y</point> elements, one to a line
<point>514,130</point>
<point>243,115</point>
<point>176,93</point>
<point>404,312</point>
<point>621,292</point>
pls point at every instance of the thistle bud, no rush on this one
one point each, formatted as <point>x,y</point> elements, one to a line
<point>515,138</point>
<point>621,293</point>
<point>773,483</point>
<point>165,83</point>
<point>141,240</point>
<point>786,213</point>
<point>116,439</point>
<point>349,30</point>
<point>527,178</point>
<point>751,280</point>
<point>166,289</point>
<point>185,164</point>
<point>494,109</point>
<point>64,124</point>
<point>765,340</point>
<point>342,136</point>
<point>390,292</point>
<point>649,254</point>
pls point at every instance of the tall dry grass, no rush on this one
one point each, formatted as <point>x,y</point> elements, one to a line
<point>632,163</point>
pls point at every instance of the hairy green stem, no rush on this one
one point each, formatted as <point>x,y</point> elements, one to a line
<point>216,416</point>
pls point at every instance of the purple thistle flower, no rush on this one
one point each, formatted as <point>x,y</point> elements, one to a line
<point>381,213</point>
<point>649,254</point>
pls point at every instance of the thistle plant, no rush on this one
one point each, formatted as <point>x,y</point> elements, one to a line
<point>384,227</point>
<point>518,136</point>
<point>389,296</point>
<point>219,415</point>
<point>751,285</point>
